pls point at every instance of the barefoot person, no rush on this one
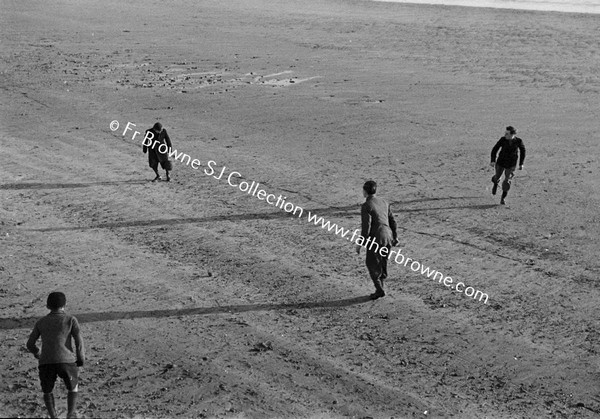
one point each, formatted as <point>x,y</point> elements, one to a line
<point>378,228</point>
<point>57,359</point>
<point>511,149</point>
<point>158,144</point>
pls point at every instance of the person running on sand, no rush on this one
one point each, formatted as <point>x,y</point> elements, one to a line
<point>158,149</point>
<point>511,149</point>
<point>57,359</point>
<point>378,227</point>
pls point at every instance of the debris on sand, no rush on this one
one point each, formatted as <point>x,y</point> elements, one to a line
<point>262,347</point>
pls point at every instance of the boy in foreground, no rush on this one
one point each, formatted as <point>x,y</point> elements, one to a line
<point>57,359</point>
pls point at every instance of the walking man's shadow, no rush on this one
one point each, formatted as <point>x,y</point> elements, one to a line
<point>28,322</point>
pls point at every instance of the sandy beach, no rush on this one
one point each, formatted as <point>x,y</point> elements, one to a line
<point>197,300</point>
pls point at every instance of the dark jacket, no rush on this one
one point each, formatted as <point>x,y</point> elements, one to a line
<point>161,138</point>
<point>378,221</point>
<point>509,152</point>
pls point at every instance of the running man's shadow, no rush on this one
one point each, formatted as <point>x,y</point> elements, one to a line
<point>28,322</point>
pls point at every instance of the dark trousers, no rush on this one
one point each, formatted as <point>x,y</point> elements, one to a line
<point>154,160</point>
<point>509,172</point>
<point>49,372</point>
<point>377,267</point>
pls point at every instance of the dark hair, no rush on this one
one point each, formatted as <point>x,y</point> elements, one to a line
<point>157,127</point>
<point>56,300</point>
<point>511,129</point>
<point>370,187</point>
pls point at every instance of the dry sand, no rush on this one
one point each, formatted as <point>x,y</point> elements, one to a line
<point>197,300</point>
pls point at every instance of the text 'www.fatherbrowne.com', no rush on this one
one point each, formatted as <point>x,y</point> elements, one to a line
<point>235,179</point>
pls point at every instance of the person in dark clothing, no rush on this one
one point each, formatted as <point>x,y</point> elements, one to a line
<point>57,358</point>
<point>378,227</point>
<point>158,144</point>
<point>511,150</point>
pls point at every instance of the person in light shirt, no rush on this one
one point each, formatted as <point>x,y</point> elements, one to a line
<point>57,359</point>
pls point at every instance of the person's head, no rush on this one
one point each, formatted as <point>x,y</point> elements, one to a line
<point>369,188</point>
<point>510,132</point>
<point>157,127</point>
<point>56,301</point>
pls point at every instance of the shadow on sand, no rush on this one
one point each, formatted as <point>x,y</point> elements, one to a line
<point>345,211</point>
<point>28,322</point>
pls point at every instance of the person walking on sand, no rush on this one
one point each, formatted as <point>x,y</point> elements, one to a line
<point>511,149</point>
<point>378,227</point>
<point>158,149</point>
<point>57,359</point>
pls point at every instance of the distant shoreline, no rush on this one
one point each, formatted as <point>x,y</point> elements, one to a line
<point>509,5</point>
